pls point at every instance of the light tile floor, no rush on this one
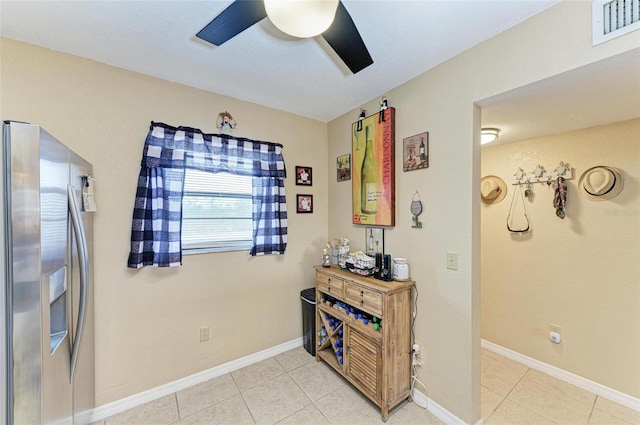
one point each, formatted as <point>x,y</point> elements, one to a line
<point>293,389</point>
<point>512,393</point>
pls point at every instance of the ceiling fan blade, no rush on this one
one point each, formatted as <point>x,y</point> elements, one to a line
<point>239,16</point>
<point>344,38</point>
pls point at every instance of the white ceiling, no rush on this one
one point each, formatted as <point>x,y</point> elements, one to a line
<point>301,76</point>
<point>597,94</point>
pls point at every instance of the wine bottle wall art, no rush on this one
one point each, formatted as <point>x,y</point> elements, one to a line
<point>373,170</point>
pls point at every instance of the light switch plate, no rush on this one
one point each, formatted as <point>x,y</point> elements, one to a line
<point>452,261</point>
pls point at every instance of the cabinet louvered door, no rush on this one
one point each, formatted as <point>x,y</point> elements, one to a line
<point>364,362</point>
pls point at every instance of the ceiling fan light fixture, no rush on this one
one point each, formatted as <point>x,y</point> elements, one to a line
<point>301,18</point>
<point>488,135</point>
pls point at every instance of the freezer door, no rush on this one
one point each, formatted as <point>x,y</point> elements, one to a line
<point>22,234</point>
<point>22,255</point>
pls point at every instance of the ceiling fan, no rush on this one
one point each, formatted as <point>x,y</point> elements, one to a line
<point>342,34</point>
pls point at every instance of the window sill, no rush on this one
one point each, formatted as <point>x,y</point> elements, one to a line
<point>194,251</point>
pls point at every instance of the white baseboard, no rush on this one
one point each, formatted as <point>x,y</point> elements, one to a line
<point>119,406</point>
<point>563,375</point>
<point>440,412</point>
<point>419,398</point>
<point>110,409</point>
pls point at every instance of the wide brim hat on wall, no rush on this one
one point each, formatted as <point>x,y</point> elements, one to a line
<point>600,183</point>
<point>492,189</point>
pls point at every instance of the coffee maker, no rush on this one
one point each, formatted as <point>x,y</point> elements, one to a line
<point>383,266</point>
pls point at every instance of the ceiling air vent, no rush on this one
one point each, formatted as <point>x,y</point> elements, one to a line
<point>612,19</point>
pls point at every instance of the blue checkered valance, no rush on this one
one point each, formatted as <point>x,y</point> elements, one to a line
<point>157,214</point>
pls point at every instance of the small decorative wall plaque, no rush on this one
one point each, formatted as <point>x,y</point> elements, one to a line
<point>374,241</point>
<point>303,176</point>
<point>343,167</point>
<point>304,203</point>
<point>415,152</point>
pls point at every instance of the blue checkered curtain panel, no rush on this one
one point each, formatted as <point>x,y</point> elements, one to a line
<point>157,214</point>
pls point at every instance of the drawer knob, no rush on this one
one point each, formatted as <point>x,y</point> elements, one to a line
<point>329,290</point>
<point>361,293</point>
<point>361,302</point>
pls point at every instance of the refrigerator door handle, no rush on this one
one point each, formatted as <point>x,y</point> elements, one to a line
<point>83,259</point>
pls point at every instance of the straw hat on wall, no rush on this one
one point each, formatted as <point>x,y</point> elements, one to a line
<point>492,189</point>
<point>600,183</point>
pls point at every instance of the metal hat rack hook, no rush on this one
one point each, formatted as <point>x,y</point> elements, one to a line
<point>541,175</point>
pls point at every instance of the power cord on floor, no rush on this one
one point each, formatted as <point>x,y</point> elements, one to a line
<point>415,363</point>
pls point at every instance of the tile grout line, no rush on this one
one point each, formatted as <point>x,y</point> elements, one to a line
<point>593,407</point>
<point>563,393</point>
<point>285,372</point>
<point>519,380</point>
<point>313,403</point>
<point>175,398</point>
<point>507,395</point>
<point>180,418</point>
<point>244,401</point>
<point>496,408</point>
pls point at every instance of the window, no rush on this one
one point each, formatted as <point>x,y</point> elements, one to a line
<point>216,212</point>
<point>222,212</point>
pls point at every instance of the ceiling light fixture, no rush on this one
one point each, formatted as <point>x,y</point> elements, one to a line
<point>488,135</point>
<point>301,18</point>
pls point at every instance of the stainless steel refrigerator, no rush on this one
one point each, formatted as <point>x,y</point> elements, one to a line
<point>47,324</point>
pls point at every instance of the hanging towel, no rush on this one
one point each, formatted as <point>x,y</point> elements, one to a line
<point>560,196</point>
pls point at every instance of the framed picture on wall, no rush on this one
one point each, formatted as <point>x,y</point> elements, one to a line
<point>304,203</point>
<point>374,240</point>
<point>343,166</point>
<point>303,176</point>
<point>415,152</point>
<point>373,169</point>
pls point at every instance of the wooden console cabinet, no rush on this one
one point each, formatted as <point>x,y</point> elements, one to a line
<point>375,361</point>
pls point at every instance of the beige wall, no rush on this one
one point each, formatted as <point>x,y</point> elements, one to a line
<point>441,101</point>
<point>580,273</point>
<point>147,320</point>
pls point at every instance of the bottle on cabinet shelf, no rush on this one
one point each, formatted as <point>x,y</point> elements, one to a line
<point>326,259</point>
<point>323,335</point>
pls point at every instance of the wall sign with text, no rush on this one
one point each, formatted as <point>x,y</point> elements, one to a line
<point>373,169</point>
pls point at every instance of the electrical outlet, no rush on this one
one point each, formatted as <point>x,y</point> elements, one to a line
<point>416,360</point>
<point>204,333</point>
<point>555,333</point>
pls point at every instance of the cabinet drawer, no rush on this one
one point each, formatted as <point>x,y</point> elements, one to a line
<point>363,298</point>
<point>330,284</point>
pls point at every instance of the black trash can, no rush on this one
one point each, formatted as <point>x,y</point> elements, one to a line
<point>308,297</point>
